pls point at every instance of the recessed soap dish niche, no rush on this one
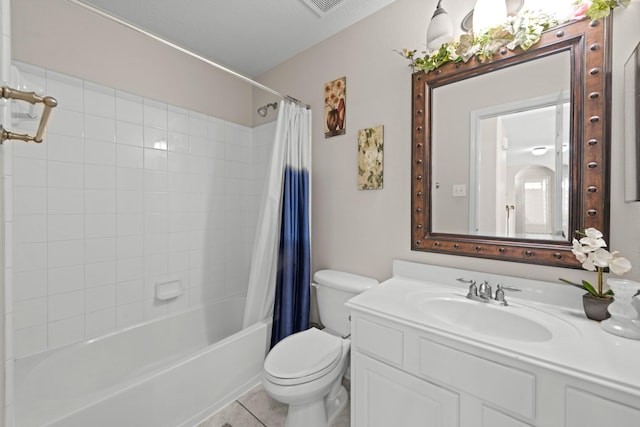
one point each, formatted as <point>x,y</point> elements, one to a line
<point>168,289</point>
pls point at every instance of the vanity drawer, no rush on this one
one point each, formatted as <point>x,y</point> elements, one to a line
<point>502,386</point>
<point>380,341</point>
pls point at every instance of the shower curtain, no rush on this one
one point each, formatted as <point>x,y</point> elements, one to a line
<point>280,274</point>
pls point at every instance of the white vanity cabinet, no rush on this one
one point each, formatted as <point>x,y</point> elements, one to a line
<point>406,373</point>
<point>417,381</point>
<point>402,376</point>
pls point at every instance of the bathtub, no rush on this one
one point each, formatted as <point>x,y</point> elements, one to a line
<point>171,372</point>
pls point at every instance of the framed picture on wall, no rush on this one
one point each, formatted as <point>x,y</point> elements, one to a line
<point>370,156</point>
<point>335,107</point>
<point>632,127</point>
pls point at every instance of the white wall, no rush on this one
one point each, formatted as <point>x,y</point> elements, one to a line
<point>625,217</point>
<point>362,231</point>
<point>66,38</point>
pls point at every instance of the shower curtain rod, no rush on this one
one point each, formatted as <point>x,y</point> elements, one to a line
<point>186,51</point>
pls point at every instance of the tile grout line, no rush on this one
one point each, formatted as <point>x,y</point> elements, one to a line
<point>252,414</point>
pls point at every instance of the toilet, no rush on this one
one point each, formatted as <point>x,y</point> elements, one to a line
<point>305,369</point>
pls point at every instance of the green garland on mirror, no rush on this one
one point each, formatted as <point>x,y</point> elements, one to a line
<point>523,31</point>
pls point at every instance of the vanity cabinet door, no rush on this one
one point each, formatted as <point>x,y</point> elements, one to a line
<point>494,418</point>
<point>587,410</point>
<point>384,396</point>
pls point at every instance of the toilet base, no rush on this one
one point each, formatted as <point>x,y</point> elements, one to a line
<point>334,405</point>
<point>320,413</point>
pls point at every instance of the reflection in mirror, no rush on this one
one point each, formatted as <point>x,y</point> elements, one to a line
<point>510,155</point>
<point>632,127</point>
<point>516,139</point>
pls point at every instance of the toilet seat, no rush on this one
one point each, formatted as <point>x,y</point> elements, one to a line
<point>303,357</point>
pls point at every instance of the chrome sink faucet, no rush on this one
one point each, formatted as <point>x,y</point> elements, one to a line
<point>483,293</point>
<point>484,290</point>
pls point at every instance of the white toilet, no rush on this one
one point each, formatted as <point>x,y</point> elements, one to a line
<point>305,370</point>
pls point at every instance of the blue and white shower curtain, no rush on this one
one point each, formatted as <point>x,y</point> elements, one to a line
<point>280,278</point>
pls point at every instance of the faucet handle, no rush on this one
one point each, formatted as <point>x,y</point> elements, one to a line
<point>500,295</point>
<point>485,289</point>
<point>473,289</point>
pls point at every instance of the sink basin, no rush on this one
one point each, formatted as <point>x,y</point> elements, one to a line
<point>486,319</point>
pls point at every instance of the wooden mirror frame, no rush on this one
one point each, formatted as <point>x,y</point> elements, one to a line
<point>589,45</point>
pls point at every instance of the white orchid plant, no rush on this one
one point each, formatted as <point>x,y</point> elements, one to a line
<point>591,253</point>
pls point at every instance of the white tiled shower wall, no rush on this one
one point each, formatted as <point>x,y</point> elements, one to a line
<point>6,322</point>
<point>125,192</point>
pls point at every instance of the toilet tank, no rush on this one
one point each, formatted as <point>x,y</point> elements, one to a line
<point>333,289</point>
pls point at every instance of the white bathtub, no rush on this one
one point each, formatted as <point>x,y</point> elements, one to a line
<point>171,372</point>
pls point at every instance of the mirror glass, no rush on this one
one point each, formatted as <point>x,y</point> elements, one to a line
<point>632,126</point>
<point>510,145</point>
<point>510,154</point>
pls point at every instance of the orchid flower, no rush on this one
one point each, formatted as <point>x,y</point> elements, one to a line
<point>590,252</point>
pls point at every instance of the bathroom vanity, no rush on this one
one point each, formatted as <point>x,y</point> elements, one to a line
<point>425,355</point>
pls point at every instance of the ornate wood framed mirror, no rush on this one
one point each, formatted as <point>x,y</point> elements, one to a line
<point>511,156</point>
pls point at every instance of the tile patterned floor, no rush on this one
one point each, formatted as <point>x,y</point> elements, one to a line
<point>257,409</point>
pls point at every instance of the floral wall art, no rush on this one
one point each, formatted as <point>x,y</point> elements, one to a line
<point>335,107</point>
<point>370,170</point>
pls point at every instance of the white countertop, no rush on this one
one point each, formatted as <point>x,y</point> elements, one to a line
<point>578,346</point>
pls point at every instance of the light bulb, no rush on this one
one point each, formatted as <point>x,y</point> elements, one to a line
<point>488,14</point>
<point>560,9</point>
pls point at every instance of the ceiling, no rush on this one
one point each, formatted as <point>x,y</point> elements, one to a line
<point>247,36</point>
<point>531,128</point>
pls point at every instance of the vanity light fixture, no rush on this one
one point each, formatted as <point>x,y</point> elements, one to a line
<point>488,13</point>
<point>440,29</point>
<point>539,151</point>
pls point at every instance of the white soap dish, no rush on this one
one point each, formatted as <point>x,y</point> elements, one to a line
<point>168,290</point>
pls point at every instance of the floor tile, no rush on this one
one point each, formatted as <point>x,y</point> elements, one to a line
<point>344,418</point>
<point>257,409</point>
<point>268,410</point>
<point>232,415</point>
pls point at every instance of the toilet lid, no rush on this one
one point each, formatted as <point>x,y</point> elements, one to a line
<point>303,357</point>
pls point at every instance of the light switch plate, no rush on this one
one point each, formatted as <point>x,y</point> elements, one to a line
<point>460,190</point>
